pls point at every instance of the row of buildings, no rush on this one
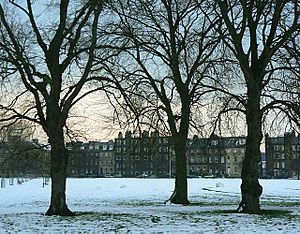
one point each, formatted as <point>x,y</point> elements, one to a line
<point>153,155</point>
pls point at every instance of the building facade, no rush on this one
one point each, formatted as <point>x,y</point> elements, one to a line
<point>216,157</point>
<point>92,159</point>
<point>147,155</point>
<point>283,156</point>
<point>152,155</point>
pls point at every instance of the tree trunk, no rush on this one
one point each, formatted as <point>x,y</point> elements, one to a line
<point>180,194</point>
<point>59,159</point>
<point>250,187</point>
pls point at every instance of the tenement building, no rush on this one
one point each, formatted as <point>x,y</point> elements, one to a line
<point>146,155</point>
<point>283,156</point>
<point>215,156</point>
<point>92,159</point>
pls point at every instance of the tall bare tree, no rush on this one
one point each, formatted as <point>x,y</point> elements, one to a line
<point>172,45</point>
<point>47,52</point>
<point>258,31</point>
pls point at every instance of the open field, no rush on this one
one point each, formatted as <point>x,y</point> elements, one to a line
<point>117,205</point>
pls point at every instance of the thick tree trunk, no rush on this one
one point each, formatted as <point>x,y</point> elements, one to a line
<point>250,187</point>
<point>180,194</point>
<point>59,159</point>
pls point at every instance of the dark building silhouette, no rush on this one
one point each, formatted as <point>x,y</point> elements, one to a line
<point>147,155</point>
<point>283,156</point>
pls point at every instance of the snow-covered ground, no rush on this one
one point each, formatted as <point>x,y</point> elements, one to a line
<point>118,205</point>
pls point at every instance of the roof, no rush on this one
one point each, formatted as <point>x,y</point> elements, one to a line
<point>224,142</point>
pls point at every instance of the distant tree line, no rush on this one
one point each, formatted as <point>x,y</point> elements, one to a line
<point>162,64</point>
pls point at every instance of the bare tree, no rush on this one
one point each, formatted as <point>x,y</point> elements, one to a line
<point>258,31</point>
<point>172,45</point>
<point>48,57</point>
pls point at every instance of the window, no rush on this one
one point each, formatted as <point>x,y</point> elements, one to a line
<point>216,159</point>
<point>222,159</point>
<point>137,150</point>
<point>111,147</point>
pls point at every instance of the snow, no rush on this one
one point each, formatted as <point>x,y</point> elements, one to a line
<point>129,205</point>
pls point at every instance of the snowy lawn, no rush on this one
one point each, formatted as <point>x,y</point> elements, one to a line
<point>113,205</point>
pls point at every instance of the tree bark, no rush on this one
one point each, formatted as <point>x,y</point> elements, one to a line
<point>180,194</point>
<point>59,160</point>
<point>250,187</point>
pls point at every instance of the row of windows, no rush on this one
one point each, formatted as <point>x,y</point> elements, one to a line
<point>282,147</point>
<point>92,162</point>
<point>212,159</point>
<point>97,147</point>
<point>144,149</point>
<point>137,141</point>
<point>279,164</point>
<point>284,156</point>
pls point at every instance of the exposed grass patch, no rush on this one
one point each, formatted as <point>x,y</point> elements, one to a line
<point>280,203</point>
<point>214,203</point>
<point>264,213</point>
<point>275,213</point>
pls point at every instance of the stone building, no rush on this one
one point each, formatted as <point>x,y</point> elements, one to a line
<point>283,156</point>
<point>215,156</point>
<point>145,155</point>
<point>92,159</point>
